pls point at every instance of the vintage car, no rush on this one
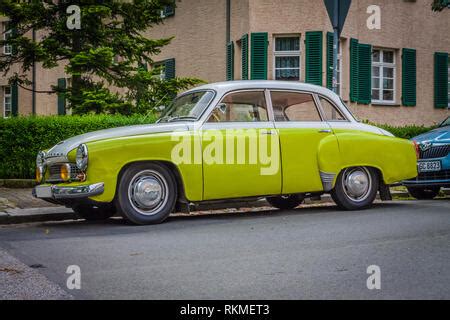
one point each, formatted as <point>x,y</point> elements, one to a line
<point>239,139</point>
<point>433,164</point>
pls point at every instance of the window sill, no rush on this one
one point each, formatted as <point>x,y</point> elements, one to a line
<point>385,104</point>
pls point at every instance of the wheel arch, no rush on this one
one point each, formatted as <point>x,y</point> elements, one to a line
<point>173,169</point>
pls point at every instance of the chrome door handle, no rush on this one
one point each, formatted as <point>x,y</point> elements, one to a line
<point>325,131</point>
<point>268,132</point>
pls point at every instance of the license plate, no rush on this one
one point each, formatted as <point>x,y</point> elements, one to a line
<point>427,166</point>
<point>43,192</point>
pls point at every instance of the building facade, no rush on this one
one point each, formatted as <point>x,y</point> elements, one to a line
<point>397,74</point>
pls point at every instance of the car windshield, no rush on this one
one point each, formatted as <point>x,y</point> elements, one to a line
<point>187,107</point>
<point>445,123</point>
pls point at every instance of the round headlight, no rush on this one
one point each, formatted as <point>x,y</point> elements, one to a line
<point>82,157</point>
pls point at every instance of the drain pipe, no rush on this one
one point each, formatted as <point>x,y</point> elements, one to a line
<point>228,17</point>
<point>33,76</point>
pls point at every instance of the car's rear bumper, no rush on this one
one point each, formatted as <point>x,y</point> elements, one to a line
<point>68,192</point>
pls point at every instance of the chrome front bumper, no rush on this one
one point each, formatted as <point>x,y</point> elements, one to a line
<point>60,192</point>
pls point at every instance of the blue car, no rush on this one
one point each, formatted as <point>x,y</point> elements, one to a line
<point>433,164</point>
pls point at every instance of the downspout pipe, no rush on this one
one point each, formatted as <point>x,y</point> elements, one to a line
<point>33,76</point>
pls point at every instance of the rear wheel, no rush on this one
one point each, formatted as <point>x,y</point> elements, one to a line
<point>424,193</point>
<point>356,188</point>
<point>147,193</point>
<point>285,202</point>
<point>95,212</point>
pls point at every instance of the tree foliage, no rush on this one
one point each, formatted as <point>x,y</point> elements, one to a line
<point>102,58</point>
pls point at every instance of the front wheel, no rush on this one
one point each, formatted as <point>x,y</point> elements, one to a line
<point>424,193</point>
<point>355,188</point>
<point>285,202</point>
<point>147,193</point>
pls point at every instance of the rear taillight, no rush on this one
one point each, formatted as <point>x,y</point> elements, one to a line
<point>416,147</point>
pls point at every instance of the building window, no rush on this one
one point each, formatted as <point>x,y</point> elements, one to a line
<point>7,48</point>
<point>287,58</point>
<point>383,76</point>
<point>7,101</point>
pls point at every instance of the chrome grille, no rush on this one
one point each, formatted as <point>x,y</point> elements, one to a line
<point>429,176</point>
<point>435,152</point>
<point>54,172</point>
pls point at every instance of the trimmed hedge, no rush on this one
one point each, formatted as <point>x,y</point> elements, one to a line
<point>21,138</point>
<point>406,132</point>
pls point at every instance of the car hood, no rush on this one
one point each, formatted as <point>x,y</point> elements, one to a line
<point>64,147</point>
<point>438,135</point>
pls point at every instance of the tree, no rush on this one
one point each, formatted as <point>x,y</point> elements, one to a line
<point>439,5</point>
<point>103,57</point>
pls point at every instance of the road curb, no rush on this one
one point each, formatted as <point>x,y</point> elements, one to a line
<point>15,216</point>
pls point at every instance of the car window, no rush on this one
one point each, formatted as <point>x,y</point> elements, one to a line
<point>331,113</point>
<point>294,106</point>
<point>245,106</point>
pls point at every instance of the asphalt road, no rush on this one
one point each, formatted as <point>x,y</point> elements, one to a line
<point>306,253</point>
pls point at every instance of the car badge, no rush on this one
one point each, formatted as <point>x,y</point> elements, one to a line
<point>425,146</point>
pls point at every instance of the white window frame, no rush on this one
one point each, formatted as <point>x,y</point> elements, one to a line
<point>277,54</point>
<point>339,79</point>
<point>448,80</point>
<point>7,49</point>
<point>383,65</point>
<point>5,95</point>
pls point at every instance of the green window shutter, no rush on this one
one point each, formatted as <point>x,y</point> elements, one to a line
<point>259,41</point>
<point>330,60</point>
<point>364,73</point>
<point>61,97</point>
<point>14,99</point>
<point>354,70</point>
<point>313,48</point>
<point>244,46</point>
<point>440,80</point>
<point>169,68</point>
<point>230,61</point>
<point>409,76</point>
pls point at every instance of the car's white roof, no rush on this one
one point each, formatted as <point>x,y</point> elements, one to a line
<point>226,86</point>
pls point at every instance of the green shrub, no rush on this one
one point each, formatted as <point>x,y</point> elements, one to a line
<point>21,138</point>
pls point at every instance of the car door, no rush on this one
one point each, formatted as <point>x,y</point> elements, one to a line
<point>240,148</point>
<point>300,129</point>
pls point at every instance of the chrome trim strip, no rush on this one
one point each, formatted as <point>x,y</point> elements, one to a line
<point>58,192</point>
<point>327,180</point>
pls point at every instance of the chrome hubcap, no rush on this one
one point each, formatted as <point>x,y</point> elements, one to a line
<point>147,192</point>
<point>357,183</point>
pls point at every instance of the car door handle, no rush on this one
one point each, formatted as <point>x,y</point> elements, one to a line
<point>325,131</point>
<point>268,132</point>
